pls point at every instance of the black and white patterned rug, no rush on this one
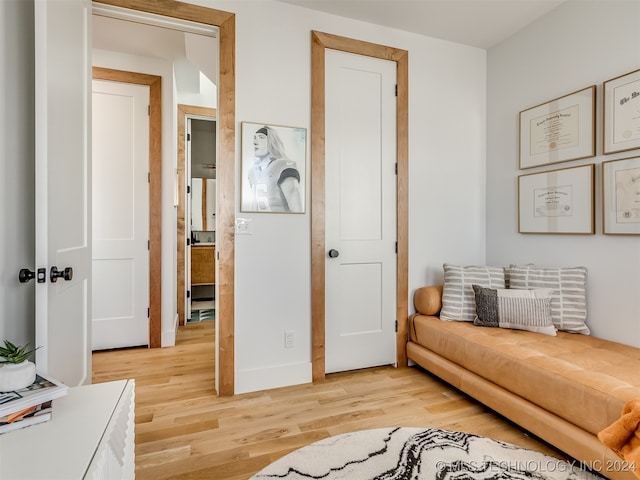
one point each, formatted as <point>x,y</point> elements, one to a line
<point>417,454</point>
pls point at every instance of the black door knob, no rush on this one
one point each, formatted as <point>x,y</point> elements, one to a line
<point>25,275</point>
<point>333,253</point>
<point>55,274</point>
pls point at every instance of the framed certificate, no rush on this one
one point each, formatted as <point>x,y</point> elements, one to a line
<point>560,130</point>
<point>621,196</point>
<point>557,201</point>
<point>621,122</point>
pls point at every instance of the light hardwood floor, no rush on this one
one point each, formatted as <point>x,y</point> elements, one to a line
<point>184,431</point>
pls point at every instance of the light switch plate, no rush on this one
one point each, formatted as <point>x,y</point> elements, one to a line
<point>243,226</point>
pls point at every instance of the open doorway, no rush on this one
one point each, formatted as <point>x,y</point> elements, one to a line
<point>201,203</point>
<point>196,214</point>
<point>183,56</point>
<point>225,22</point>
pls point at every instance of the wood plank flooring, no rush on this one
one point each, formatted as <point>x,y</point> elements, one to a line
<point>184,431</point>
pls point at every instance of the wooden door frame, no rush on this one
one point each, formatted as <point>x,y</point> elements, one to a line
<point>225,171</point>
<point>184,111</point>
<point>319,43</point>
<point>154,83</point>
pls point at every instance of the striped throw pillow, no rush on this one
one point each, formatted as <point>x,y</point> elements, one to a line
<point>515,309</point>
<point>458,299</point>
<point>569,297</point>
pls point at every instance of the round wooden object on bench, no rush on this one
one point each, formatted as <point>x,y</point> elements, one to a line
<point>428,300</point>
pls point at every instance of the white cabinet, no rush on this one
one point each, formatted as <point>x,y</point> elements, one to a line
<point>90,436</point>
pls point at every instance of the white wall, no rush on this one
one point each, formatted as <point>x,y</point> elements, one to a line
<point>446,149</point>
<point>17,182</point>
<point>557,55</point>
<point>447,112</point>
<point>207,96</point>
<point>579,44</point>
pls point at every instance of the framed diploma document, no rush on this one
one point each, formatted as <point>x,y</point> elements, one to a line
<point>558,131</point>
<point>621,196</point>
<point>621,121</point>
<point>557,201</point>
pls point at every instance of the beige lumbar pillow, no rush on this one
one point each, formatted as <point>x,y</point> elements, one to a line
<point>515,309</point>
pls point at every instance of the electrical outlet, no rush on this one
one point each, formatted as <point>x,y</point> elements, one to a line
<point>289,339</point>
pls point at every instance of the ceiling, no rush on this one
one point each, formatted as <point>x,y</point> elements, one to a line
<point>477,23</point>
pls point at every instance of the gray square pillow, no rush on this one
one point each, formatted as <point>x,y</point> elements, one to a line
<point>458,299</point>
<point>516,309</point>
<point>569,297</point>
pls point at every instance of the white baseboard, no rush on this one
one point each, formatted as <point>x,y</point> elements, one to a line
<point>169,336</point>
<point>273,377</point>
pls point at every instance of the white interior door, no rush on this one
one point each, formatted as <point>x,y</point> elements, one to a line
<point>360,196</point>
<point>120,160</point>
<point>63,188</point>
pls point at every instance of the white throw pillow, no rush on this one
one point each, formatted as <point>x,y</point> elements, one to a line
<point>458,298</point>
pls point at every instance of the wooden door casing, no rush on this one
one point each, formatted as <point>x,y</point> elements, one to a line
<point>225,169</point>
<point>319,42</point>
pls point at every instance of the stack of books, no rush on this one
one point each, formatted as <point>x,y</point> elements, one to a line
<point>30,405</point>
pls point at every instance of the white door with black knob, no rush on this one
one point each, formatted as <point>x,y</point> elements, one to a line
<point>63,189</point>
<point>360,225</point>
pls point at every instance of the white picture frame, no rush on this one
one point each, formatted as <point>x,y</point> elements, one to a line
<point>265,175</point>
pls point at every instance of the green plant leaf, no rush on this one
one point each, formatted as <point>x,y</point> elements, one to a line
<point>12,354</point>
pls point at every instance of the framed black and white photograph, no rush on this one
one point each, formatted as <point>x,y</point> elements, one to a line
<point>273,168</point>
<point>560,130</point>
<point>557,201</point>
<point>621,196</point>
<point>621,112</point>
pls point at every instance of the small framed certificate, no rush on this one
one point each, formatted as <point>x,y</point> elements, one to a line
<point>621,122</point>
<point>621,196</point>
<point>557,201</point>
<point>560,130</point>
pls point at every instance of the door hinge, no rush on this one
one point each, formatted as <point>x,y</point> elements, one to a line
<point>396,326</point>
<point>188,188</point>
<point>396,169</point>
<point>149,177</point>
<point>148,244</point>
<point>188,293</point>
<point>396,90</point>
<point>149,110</point>
<point>188,137</point>
<point>188,242</point>
<point>396,247</point>
<point>149,313</point>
